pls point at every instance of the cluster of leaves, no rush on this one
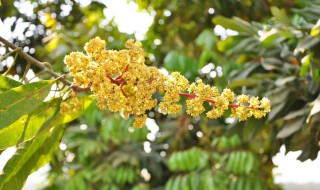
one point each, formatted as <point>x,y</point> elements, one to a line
<point>227,168</point>
<point>31,124</point>
<point>285,65</point>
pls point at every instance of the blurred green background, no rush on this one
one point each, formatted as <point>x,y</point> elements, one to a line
<point>259,47</point>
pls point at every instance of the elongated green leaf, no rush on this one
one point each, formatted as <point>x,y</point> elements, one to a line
<point>176,61</point>
<point>169,184</point>
<point>7,83</point>
<point>306,43</point>
<point>26,158</point>
<point>315,29</point>
<point>234,24</point>
<point>249,163</point>
<point>206,39</point>
<point>243,82</point>
<point>191,159</point>
<point>280,16</point>
<point>177,183</point>
<point>28,125</point>
<point>36,152</point>
<point>21,100</point>
<point>291,127</point>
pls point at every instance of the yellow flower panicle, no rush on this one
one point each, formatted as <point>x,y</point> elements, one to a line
<point>123,83</point>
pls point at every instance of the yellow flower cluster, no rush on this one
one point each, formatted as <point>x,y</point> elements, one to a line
<point>122,82</point>
<point>257,108</point>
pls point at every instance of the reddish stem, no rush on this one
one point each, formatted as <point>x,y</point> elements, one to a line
<point>115,81</point>
<point>191,96</point>
<point>125,70</point>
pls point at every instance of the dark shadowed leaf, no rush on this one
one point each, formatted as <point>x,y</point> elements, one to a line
<point>290,127</point>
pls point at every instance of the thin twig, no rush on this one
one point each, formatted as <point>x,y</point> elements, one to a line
<point>25,72</point>
<point>11,66</point>
<point>37,63</point>
<point>9,53</point>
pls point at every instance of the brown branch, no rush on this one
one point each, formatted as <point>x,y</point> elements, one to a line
<point>37,63</point>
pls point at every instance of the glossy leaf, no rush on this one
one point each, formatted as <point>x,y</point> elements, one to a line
<point>176,61</point>
<point>21,100</point>
<point>7,83</point>
<point>28,125</point>
<point>27,157</point>
<point>234,24</point>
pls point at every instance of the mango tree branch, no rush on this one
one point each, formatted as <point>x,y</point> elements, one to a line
<point>40,65</point>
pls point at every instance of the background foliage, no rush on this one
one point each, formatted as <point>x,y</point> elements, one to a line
<point>261,48</point>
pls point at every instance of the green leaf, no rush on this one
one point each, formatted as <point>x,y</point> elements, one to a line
<point>245,45</point>
<point>315,29</point>
<point>194,182</point>
<point>236,164</point>
<point>242,161</point>
<point>271,38</point>
<point>240,183</point>
<point>27,157</point>
<point>7,83</point>
<point>284,81</point>
<point>21,100</point>
<point>191,159</point>
<point>231,161</point>
<point>28,125</point>
<point>36,152</point>
<point>206,39</point>
<point>280,16</point>
<point>169,184</point>
<point>243,82</point>
<point>207,181</point>
<point>306,43</point>
<point>176,61</point>
<point>249,163</point>
<point>236,24</point>
<point>291,126</point>
<point>177,183</point>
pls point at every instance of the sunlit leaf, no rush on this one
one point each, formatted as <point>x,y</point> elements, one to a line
<point>21,100</point>
<point>176,61</point>
<point>28,125</point>
<point>234,24</point>
<point>7,83</point>
<point>27,157</point>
